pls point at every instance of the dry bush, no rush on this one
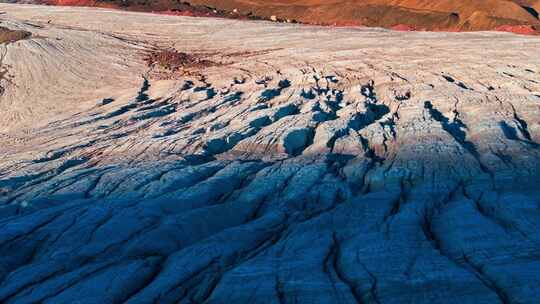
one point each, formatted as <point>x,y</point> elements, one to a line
<point>9,36</point>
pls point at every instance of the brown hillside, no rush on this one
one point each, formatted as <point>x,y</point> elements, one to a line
<point>448,15</point>
<point>420,14</point>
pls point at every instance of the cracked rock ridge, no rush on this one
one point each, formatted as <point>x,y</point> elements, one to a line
<point>312,165</point>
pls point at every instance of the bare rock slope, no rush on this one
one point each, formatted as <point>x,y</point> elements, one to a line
<point>161,159</point>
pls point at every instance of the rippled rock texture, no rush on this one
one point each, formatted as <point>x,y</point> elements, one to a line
<point>281,164</point>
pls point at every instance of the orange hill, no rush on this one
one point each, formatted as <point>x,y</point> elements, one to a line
<point>437,15</point>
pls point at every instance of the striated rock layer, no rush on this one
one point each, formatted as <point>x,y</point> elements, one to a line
<point>254,162</point>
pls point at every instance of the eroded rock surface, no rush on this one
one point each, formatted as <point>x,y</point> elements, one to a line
<point>311,165</point>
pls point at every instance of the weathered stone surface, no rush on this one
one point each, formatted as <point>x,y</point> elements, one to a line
<point>308,165</point>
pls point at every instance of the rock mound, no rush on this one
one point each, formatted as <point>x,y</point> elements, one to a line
<point>319,165</point>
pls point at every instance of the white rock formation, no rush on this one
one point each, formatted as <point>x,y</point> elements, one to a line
<point>308,165</point>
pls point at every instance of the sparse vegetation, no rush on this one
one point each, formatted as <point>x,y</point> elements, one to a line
<point>170,62</point>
